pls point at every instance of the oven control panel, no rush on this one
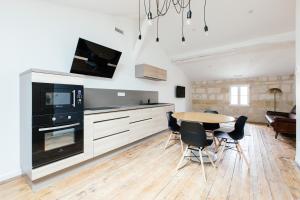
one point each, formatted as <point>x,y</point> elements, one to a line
<point>58,118</point>
<point>79,97</point>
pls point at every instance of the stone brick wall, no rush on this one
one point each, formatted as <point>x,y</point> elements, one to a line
<point>215,95</point>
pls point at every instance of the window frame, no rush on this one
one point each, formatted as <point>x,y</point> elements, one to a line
<point>239,95</point>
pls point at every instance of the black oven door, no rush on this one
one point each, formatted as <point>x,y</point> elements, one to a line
<point>56,98</point>
<point>50,144</point>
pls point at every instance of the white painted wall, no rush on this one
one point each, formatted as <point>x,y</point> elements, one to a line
<point>36,34</point>
<point>298,81</point>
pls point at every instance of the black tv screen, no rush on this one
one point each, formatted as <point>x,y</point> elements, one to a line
<point>94,59</point>
<point>180,91</point>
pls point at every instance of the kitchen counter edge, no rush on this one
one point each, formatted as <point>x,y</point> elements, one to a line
<point>92,112</point>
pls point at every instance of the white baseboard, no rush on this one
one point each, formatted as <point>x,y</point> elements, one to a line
<point>10,175</point>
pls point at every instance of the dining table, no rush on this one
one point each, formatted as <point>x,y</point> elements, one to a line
<point>201,117</point>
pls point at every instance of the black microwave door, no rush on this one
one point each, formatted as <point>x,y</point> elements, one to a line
<point>55,98</point>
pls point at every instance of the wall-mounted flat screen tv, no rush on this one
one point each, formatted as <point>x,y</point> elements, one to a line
<point>180,91</point>
<point>94,59</point>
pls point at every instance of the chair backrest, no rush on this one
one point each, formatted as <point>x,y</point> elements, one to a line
<point>238,132</point>
<point>210,126</point>
<point>293,111</point>
<point>193,134</point>
<point>172,122</point>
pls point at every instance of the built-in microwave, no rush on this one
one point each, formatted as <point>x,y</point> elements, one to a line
<point>48,98</point>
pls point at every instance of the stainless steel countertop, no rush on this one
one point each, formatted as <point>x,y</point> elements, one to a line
<point>124,108</point>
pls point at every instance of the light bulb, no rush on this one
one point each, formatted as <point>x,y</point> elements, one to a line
<point>189,17</point>
<point>150,18</point>
<point>189,21</point>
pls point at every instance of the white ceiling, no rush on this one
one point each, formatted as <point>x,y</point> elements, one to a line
<point>229,22</point>
<point>261,60</point>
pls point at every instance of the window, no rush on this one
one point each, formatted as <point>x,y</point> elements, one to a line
<point>239,95</point>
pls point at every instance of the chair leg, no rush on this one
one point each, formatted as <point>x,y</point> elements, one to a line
<point>168,141</point>
<point>238,150</point>
<point>210,159</point>
<point>277,133</point>
<point>182,158</point>
<point>243,154</point>
<point>217,143</point>
<point>181,143</point>
<point>202,165</point>
<point>221,152</point>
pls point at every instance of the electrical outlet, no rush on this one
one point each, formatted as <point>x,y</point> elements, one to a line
<point>121,94</point>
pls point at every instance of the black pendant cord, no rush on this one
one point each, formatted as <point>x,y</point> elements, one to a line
<point>179,5</point>
<point>140,33</point>
<point>162,7</point>
<point>182,24</point>
<point>157,22</point>
<point>204,12</point>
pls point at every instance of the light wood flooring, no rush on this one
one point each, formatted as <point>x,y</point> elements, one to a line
<point>147,171</point>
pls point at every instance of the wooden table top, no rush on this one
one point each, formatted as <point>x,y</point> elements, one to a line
<point>203,117</point>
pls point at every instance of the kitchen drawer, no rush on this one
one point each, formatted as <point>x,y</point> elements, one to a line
<point>110,143</point>
<point>142,129</point>
<point>170,108</point>
<point>141,114</point>
<point>107,116</point>
<point>160,111</point>
<point>109,126</point>
<point>159,124</point>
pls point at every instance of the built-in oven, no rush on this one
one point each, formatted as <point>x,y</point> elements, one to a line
<point>48,98</point>
<point>57,122</point>
<point>54,140</point>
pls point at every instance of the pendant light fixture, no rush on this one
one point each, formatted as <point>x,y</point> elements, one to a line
<point>205,25</point>
<point>162,7</point>
<point>189,15</point>
<point>182,24</point>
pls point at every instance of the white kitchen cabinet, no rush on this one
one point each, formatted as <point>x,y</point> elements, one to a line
<point>110,131</point>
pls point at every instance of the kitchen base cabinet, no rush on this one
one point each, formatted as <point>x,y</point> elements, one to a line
<point>109,131</point>
<point>110,143</point>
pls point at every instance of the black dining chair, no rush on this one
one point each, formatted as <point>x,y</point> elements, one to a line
<point>174,128</point>
<point>211,126</point>
<point>232,137</point>
<point>194,135</point>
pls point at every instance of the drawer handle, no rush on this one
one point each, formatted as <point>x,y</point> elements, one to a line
<point>140,121</point>
<point>105,120</point>
<point>111,135</point>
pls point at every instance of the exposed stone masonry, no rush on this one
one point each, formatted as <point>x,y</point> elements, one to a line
<point>215,95</point>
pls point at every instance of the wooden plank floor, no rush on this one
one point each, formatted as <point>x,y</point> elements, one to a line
<point>147,171</point>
